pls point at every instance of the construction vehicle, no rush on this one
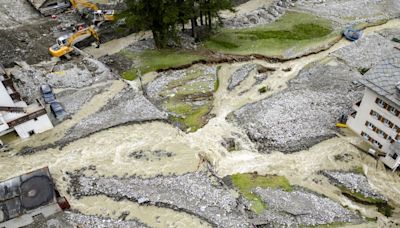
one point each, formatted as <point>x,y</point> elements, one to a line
<point>65,44</point>
<point>342,121</point>
<point>99,16</point>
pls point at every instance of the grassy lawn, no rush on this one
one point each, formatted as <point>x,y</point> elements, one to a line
<point>248,181</point>
<point>294,30</point>
<point>153,60</point>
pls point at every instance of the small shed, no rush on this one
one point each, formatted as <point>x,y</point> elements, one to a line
<point>49,7</point>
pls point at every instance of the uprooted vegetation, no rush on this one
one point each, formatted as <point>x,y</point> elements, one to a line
<point>292,32</point>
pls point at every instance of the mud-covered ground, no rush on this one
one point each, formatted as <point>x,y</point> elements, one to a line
<point>122,160</point>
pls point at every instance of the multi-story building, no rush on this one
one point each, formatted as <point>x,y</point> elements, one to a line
<point>16,115</point>
<point>376,118</point>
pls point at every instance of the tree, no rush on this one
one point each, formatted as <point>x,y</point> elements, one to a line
<point>159,16</point>
<point>163,16</point>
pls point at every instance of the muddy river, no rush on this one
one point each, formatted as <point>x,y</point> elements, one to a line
<point>110,150</point>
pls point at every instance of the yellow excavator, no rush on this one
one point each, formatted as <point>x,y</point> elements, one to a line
<point>65,44</point>
<point>99,16</point>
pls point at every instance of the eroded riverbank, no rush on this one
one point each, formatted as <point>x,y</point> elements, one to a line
<point>134,150</point>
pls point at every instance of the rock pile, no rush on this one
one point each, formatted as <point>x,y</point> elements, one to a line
<point>354,182</point>
<point>240,75</point>
<point>78,219</point>
<point>305,113</point>
<point>69,75</point>
<point>125,108</point>
<point>301,208</point>
<point>366,52</point>
<point>74,99</point>
<point>261,16</point>
<point>194,193</point>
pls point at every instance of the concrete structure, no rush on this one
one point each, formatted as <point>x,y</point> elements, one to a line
<point>25,197</point>
<point>376,117</point>
<point>49,7</point>
<point>17,115</point>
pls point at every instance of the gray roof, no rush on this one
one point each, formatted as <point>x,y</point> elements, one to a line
<point>384,78</point>
<point>21,194</point>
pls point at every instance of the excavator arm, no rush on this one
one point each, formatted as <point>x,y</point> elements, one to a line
<point>81,35</point>
<point>76,4</point>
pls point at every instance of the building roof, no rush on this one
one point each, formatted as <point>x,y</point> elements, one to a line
<point>384,78</point>
<point>20,195</point>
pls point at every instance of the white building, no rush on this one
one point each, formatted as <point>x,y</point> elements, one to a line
<point>17,115</point>
<point>376,117</point>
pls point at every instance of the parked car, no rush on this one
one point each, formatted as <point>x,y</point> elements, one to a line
<point>47,93</point>
<point>58,110</point>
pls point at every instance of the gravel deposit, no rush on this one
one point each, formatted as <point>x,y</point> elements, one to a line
<point>126,107</point>
<point>78,219</point>
<point>265,14</point>
<point>240,75</point>
<point>355,182</point>
<point>194,193</point>
<point>69,75</point>
<point>15,13</point>
<point>348,12</point>
<point>157,88</point>
<point>301,208</point>
<point>391,33</point>
<point>366,52</point>
<point>303,114</point>
<point>74,99</point>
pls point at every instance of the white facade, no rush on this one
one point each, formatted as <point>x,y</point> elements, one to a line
<point>5,99</point>
<point>33,120</point>
<point>377,120</point>
<point>35,126</point>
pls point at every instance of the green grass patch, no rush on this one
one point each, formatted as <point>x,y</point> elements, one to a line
<point>153,60</point>
<point>293,30</point>
<point>263,89</point>
<point>359,170</point>
<point>248,181</point>
<point>193,116</point>
<point>130,74</point>
<point>360,197</point>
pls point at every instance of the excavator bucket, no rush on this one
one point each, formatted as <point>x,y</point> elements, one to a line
<point>341,125</point>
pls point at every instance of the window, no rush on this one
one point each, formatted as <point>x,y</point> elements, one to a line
<point>386,122</point>
<point>369,125</point>
<point>363,134</point>
<point>392,110</point>
<point>380,102</point>
<point>374,114</point>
